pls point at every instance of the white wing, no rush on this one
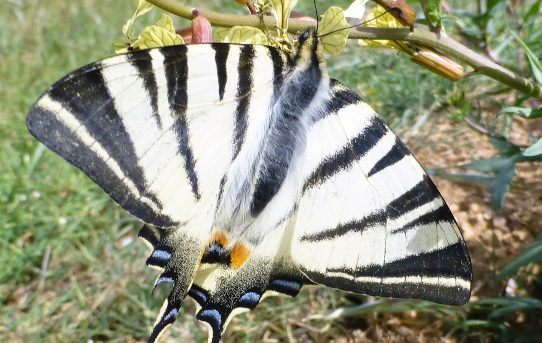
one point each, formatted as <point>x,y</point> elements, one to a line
<point>141,124</point>
<point>159,130</point>
<point>370,220</point>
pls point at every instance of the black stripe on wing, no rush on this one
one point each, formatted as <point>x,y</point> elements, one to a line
<point>449,295</point>
<point>416,265</point>
<point>352,152</point>
<point>278,69</point>
<point>358,225</point>
<point>84,95</point>
<point>244,88</point>
<point>442,263</point>
<point>422,193</point>
<point>341,97</point>
<point>143,63</point>
<point>397,152</point>
<point>221,59</point>
<point>43,125</point>
<point>441,213</point>
<point>176,71</point>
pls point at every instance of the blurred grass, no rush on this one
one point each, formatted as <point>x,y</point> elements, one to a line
<point>95,285</point>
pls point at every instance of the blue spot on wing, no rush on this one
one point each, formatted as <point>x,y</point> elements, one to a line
<point>215,318</point>
<point>159,258</point>
<point>199,294</point>
<point>288,287</point>
<point>163,279</point>
<point>171,315</point>
<point>249,300</point>
<point>161,255</point>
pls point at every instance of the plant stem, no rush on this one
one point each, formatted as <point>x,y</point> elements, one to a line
<point>420,37</point>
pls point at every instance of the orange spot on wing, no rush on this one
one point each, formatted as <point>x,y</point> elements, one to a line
<point>216,237</point>
<point>219,237</point>
<point>239,254</point>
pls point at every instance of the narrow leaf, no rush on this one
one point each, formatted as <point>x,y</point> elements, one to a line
<point>166,23</point>
<point>534,150</point>
<point>525,112</point>
<point>471,179</point>
<point>500,185</point>
<point>282,10</point>
<point>536,67</point>
<point>505,148</point>
<point>493,164</point>
<point>531,254</point>
<point>522,305</point>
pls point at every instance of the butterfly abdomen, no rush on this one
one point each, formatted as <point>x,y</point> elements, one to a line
<point>299,102</point>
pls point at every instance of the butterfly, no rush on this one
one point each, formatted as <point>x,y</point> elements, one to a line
<point>254,171</point>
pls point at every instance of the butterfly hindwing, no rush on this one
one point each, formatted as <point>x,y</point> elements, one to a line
<point>370,220</point>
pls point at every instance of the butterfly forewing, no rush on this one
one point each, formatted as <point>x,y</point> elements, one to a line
<point>140,124</point>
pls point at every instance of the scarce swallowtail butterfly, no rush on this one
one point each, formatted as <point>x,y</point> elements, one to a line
<point>254,171</point>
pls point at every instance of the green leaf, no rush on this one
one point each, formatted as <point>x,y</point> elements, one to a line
<point>515,304</point>
<point>500,185</point>
<point>245,35</point>
<point>332,30</point>
<point>505,148</point>
<point>536,67</point>
<point>166,23</point>
<point>533,150</point>
<point>491,4</point>
<point>531,254</point>
<point>433,11</point>
<point>156,36</point>
<point>468,178</point>
<point>142,8</point>
<point>525,112</point>
<point>493,164</point>
<point>220,33</point>
<point>533,10</point>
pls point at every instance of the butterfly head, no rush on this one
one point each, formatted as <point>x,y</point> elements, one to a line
<point>309,51</point>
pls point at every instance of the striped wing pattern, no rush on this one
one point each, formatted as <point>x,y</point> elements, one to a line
<point>140,124</point>
<point>254,172</point>
<point>370,220</point>
<point>158,130</point>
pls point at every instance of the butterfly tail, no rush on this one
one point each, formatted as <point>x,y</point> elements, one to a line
<point>177,256</point>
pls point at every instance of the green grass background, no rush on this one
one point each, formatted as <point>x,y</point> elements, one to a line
<point>71,269</point>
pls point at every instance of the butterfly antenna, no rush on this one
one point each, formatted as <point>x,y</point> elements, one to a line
<point>317,17</point>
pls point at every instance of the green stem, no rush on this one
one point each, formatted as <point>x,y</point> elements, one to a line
<point>420,37</point>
